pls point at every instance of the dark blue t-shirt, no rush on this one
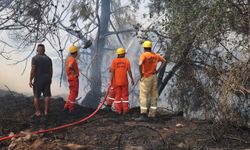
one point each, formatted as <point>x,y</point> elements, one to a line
<point>43,67</point>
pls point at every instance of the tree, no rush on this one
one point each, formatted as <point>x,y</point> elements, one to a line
<point>27,23</point>
<point>209,38</point>
<point>106,17</point>
<point>90,22</point>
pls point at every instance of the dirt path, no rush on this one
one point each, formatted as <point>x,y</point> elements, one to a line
<point>106,130</point>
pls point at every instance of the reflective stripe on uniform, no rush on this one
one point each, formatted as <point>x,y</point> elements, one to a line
<point>124,101</point>
<point>117,101</point>
<point>72,102</point>
<point>153,107</point>
<point>111,98</point>
<point>145,108</point>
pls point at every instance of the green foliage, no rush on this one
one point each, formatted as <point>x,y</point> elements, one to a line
<point>219,33</point>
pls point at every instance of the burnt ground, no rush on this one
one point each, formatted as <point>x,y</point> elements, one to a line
<point>108,131</point>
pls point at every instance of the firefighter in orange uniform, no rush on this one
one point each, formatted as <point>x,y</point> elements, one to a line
<point>119,68</point>
<point>111,97</point>
<point>72,73</point>
<point>148,82</point>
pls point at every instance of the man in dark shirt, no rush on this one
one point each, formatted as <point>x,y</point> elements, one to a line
<point>41,72</point>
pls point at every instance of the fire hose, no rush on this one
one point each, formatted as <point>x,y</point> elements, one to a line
<point>62,126</point>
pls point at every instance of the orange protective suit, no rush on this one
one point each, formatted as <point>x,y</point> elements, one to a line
<point>111,97</point>
<point>121,99</point>
<point>73,82</point>
<point>149,61</point>
<point>120,67</point>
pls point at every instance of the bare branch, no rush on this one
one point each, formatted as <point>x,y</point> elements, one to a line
<point>119,9</point>
<point>122,31</point>
<point>77,34</point>
<point>117,35</point>
<point>28,56</point>
<point>228,51</point>
<point>4,4</point>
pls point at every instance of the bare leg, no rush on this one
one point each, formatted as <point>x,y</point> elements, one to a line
<point>46,107</point>
<point>37,106</point>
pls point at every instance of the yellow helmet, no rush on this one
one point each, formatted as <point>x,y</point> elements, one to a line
<point>120,50</point>
<point>147,44</point>
<point>73,49</point>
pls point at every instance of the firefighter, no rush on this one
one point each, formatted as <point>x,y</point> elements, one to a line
<point>111,97</point>
<point>148,81</point>
<point>119,81</point>
<point>72,73</point>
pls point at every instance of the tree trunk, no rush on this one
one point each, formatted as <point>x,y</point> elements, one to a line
<point>164,82</point>
<point>92,98</point>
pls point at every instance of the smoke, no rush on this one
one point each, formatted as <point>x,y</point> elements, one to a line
<point>10,75</point>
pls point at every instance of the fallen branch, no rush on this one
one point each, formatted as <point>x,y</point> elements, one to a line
<point>236,138</point>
